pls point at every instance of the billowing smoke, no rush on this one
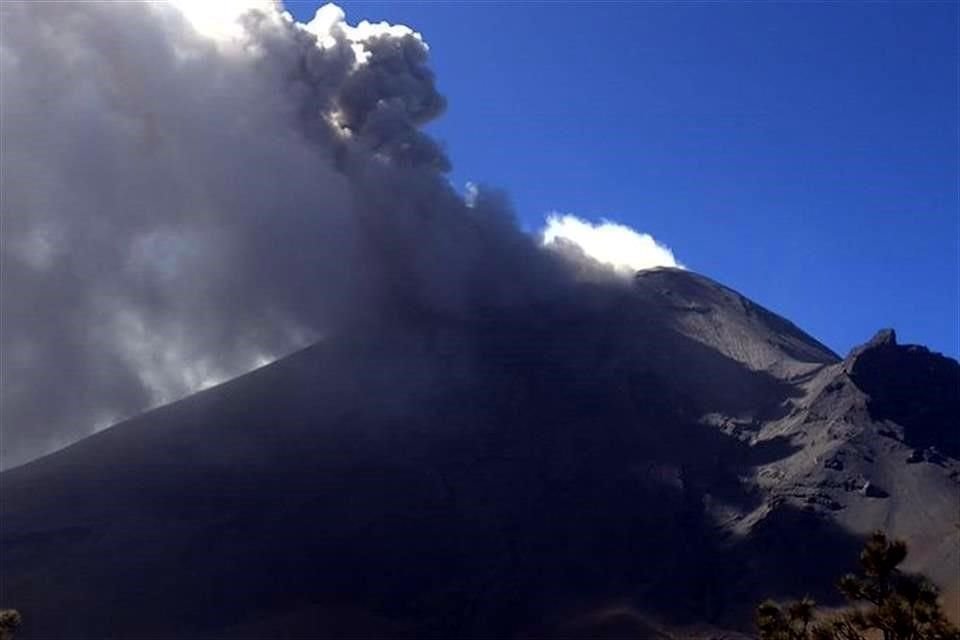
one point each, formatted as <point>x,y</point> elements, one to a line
<point>188,194</point>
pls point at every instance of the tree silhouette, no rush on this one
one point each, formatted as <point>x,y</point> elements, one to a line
<point>884,603</point>
<point>793,623</point>
<point>10,620</point>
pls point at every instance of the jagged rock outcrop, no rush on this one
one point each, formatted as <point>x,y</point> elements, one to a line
<point>911,387</point>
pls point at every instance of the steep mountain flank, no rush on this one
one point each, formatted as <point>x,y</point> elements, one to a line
<point>659,455</point>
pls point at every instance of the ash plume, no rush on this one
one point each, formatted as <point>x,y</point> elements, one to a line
<point>188,194</point>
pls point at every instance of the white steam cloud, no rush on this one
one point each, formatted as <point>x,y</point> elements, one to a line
<point>609,243</point>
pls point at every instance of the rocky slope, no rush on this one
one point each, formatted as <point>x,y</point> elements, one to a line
<point>655,457</point>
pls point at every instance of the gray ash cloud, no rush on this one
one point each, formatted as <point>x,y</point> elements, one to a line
<point>183,199</point>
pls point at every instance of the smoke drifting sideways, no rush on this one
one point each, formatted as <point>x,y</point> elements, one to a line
<point>188,194</point>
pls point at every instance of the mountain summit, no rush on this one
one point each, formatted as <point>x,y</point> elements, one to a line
<point>668,446</point>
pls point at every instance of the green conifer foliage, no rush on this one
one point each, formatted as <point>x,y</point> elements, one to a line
<point>884,602</point>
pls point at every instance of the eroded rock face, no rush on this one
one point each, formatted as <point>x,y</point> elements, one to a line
<point>912,387</point>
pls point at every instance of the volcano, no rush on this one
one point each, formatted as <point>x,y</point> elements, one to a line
<point>659,455</point>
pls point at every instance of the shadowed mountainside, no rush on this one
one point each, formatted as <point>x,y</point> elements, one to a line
<point>668,445</point>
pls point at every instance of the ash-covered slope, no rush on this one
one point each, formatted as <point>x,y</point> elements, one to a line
<point>669,445</point>
<point>727,321</point>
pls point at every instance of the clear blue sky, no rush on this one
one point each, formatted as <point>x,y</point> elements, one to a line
<point>805,154</point>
